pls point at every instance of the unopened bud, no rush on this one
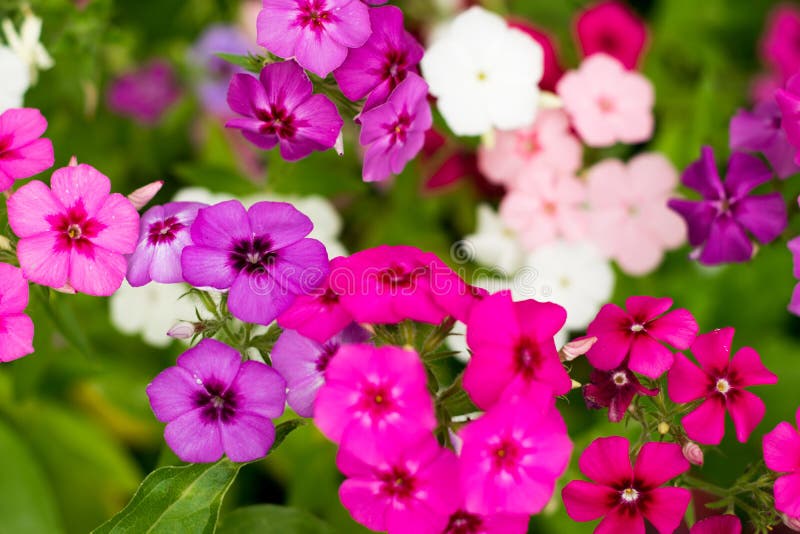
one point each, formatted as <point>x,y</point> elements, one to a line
<point>576,347</point>
<point>66,288</point>
<point>5,244</point>
<point>183,330</point>
<point>142,196</point>
<point>576,384</point>
<point>339,145</point>
<point>73,161</point>
<point>693,453</point>
<point>663,427</point>
<point>792,523</point>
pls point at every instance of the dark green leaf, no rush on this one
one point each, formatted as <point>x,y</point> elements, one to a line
<point>267,518</point>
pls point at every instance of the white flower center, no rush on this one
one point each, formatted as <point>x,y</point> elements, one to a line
<point>629,495</point>
<point>619,378</point>
<point>636,327</point>
<point>723,386</point>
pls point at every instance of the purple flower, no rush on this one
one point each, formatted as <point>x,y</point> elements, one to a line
<point>216,73</point>
<point>163,234</point>
<point>213,403</point>
<point>317,33</point>
<point>383,62</point>
<point>280,109</point>
<point>394,132</point>
<point>303,361</point>
<point>760,131</point>
<point>789,102</point>
<point>614,390</point>
<point>794,248</point>
<point>260,254</point>
<point>146,93</point>
<point>720,223</point>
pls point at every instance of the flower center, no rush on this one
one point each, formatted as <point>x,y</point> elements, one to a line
<point>481,76</point>
<point>463,522</point>
<point>5,143</point>
<point>605,104</point>
<point>377,400</point>
<point>75,229</point>
<point>252,255</point>
<point>620,378</point>
<point>397,482</point>
<point>637,327</point>
<point>723,386</point>
<point>401,276</point>
<point>395,67</point>
<point>164,231</point>
<point>314,14</point>
<point>528,358</point>
<point>505,454</point>
<point>629,495</point>
<point>324,359</point>
<point>277,121</point>
<point>216,403</point>
<point>399,130</point>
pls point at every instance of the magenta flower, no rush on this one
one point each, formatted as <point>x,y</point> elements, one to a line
<point>163,234</point>
<point>384,61</point>
<point>16,328</point>
<point>279,109</point>
<point>76,234</point>
<point>720,223</point>
<point>405,489</point>
<point>614,390</point>
<point>760,131</point>
<point>718,524</point>
<point>788,100</point>
<point>782,455</point>
<point>463,522</point>
<point>146,93</point>
<point>512,455</point>
<point>394,132</point>
<point>720,381</point>
<point>624,495</point>
<point>609,27</point>
<point>318,33</point>
<point>638,334</point>
<point>23,150</point>
<point>513,341</point>
<point>794,248</point>
<point>261,255</point>
<point>780,44</point>
<point>214,404</point>
<point>302,362</point>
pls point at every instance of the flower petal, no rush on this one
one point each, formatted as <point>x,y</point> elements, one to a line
<point>678,328</point>
<point>666,507</point>
<point>121,221</point>
<point>686,382</point>
<point>81,184</point>
<point>747,410</point>
<point>212,362</point>
<point>43,261</point>
<point>585,501</point>
<point>194,438</point>
<point>172,393</point>
<point>218,226</point>
<point>207,267</point>
<point>261,390</point>
<point>621,519</point>
<point>745,173</point>
<point>16,337</point>
<point>247,437</point>
<point>30,207</point>
<point>764,216</point>
<point>606,461</point>
<point>280,222</point>
<point>706,423</point>
<point>648,356</point>
<point>100,273</point>
<point>787,495</point>
<point>659,463</point>
<point>713,350</point>
<point>746,369</point>
<point>782,448</point>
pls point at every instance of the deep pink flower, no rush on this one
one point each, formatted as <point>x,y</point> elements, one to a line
<point>720,381</point>
<point>552,68</point>
<point>760,131</point>
<point>789,102</point>
<point>718,524</point>
<point>23,150</point>
<point>384,61</point>
<point>614,390</point>
<point>213,403</point>
<point>782,454</point>
<point>163,234</point>
<point>638,334</point>
<point>318,33</point>
<point>262,255</point>
<point>302,362</point>
<point>146,93</point>
<point>406,488</point>
<point>794,248</point>
<point>394,132</point>
<point>513,341</point>
<point>512,455</point>
<point>16,328</point>
<point>624,495</point>
<point>76,233</point>
<point>463,522</point>
<point>279,109</point>
<point>373,395</point>
<point>611,28</point>
<point>780,46</point>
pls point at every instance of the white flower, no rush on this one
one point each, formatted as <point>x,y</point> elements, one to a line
<point>493,244</point>
<point>14,79</point>
<point>484,73</point>
<point>26,44</point>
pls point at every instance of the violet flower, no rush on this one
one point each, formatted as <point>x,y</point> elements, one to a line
<point>760,131</point>
<point>215,72</point>
<point>146,93</point>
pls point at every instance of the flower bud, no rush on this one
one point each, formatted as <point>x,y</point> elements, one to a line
<point>143,195</point>
<point>182,330</point>
<point>5,244</point>
<point>663,427</point>
<point>576,347</point>
<point>693,453</point>
<point>339,146</point>
<point>73,161</point>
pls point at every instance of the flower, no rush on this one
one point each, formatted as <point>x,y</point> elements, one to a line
<point>614,390</point>
<point>405,489</point>
<point>16,328</point>
<point>214,404</point>
<point>721,221</point>
<point>26,45</point>
<point>794,248</point>
<point>720,382</point>
<point>693,453</point>
<point>302,362</point>
<point>214,73</point>
<point>16,79</point>
<point>782,455</point>
<point>279,109</point>
<point>23,150</point>
<point>611,28</point>
<point>163,234</point>
<point>484,73</point>
<point>145,93</point>
<point>545,144</point>
<point>512,456</point>
<point>788,100</point>
<point>638,333</point>
<point>372,396</point>
<point>76,233</point>
<point>377,67</point>
<point>552,68</point>
<point>606,103</point>
<point>760,131</point>
<point>394,132</point>
<point>628,217</point>
<point>318,33</point>
<point>259,254</point>
<point>464,522</point>
<point>779,45</point>
<point>513,342</point>
<point>718,524</point>
<point>545,206</point>
<point>493,243</point>
<point>625,495</point>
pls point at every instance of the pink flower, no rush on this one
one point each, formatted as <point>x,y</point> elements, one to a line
<point>638,334</point>
<point>780,44</point>
<point>405,489</point>
<point>545,206</point>
<point>23,151</point>
<point>463,522</point>
<point>373,395</point>
<point>214,403</point>
<point>609,27</point>
<point>513,342</point>
<point>146,93</point>
<point>16,328</point>
<point>512,455</point>
<point>789,102</point>
<point>76,233</point>
<point>629,219</point>
<point>720,381</point>
<point>625,495</point>
<point>318,33</point>
<point>782,455</point>
<point>546,144</point>
<point>718,524</point>
<point>606,103</point>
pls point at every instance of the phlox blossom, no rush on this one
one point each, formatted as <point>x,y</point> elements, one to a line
<point>16,328</point>
<point>782,454</point>
<point>23,150</point>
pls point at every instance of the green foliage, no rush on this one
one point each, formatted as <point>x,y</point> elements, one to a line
<point>268,518</point>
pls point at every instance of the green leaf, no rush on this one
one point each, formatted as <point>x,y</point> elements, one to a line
<point>286,428</point>
<point>176,499</point>
<point>271,518</point>
<point>251,63</point>
<point>216,178</point>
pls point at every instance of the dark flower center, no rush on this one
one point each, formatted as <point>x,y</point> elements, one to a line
<point>528,358</point>
<point>5,143</point>
<point>216,403</point>
<point>608,42</point>
<point>277,121</point>
<point>314,14</point>
<point>505,455</point>
<point>399,129</point>
<point>252,255</point>
<point>330,297</point>
<point>395,67</point>
<point>325,357</point>
<point>377,399</point>
<point>164,231</point>
<point>463,522</point>
<point>75,229</point>
<point>399,275</point>
<point>397,482</point>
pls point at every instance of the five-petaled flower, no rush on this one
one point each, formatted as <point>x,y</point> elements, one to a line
<point>23,150</point>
